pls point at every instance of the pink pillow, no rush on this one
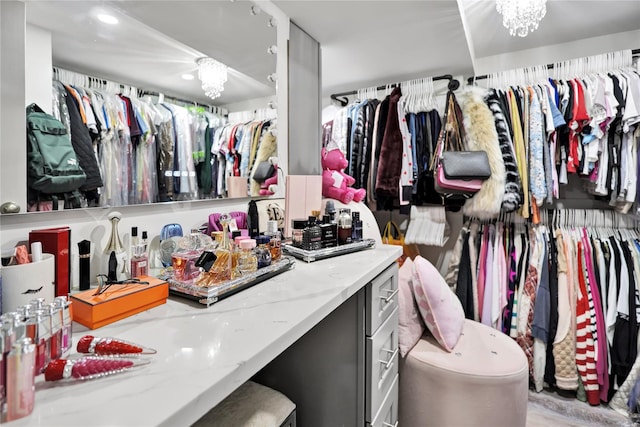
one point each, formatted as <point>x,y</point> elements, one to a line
<point>440,307</point>
<point>410,322</point>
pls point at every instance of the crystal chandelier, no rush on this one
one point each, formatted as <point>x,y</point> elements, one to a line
<point>212,75</point>
<point>521,16</point>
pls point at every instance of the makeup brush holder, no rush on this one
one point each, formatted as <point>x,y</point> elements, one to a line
<point>22,283</point>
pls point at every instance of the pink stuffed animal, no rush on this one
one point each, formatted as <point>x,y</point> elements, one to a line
<point>270,185</point>
<point>335,183</point>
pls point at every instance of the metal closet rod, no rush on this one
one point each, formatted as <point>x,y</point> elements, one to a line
<point>173,98</point>
<point>549,66</point>
<point>453,85</point>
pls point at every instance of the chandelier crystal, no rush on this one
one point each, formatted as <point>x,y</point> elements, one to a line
<point>521,16</point>
<point>212,75</point>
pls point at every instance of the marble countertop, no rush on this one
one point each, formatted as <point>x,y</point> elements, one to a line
<point>203,354</point>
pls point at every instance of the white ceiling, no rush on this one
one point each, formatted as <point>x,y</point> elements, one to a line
<point>363,43</point>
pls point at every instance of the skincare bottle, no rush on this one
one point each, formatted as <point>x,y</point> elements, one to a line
<point>274,240</point>
<point>39,331</point>
<point>119,258</point>
<point>20,384</point>
<point>344,227</point>
<point>312,236</point>
<point>356,227</point>
<point>247,261</point>
<point>263,252</point>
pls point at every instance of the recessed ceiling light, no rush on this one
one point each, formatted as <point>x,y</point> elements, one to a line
<point>107,19</point>
<point>187,76</point>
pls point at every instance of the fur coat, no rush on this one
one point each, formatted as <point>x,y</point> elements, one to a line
<point>482,135</point>
<point>513,187</point>
<point>389,161</point>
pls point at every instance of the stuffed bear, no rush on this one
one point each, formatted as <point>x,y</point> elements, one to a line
<point>269,186</point>
<point>335,183</point>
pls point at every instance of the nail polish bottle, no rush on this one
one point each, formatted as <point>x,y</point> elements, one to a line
<point>65,307</point>
<point>20,384</point>
<point>356,227</point>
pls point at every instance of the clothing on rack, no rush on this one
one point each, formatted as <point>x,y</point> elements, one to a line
<point>137,151</point>
<point>567,290</point>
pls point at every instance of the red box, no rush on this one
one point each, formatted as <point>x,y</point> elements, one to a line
<point>56,241</point>
<point>117,302</point>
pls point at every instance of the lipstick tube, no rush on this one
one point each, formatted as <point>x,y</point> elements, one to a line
<point>39,330</point>
<point>65,307</point>
<point>56,330</point>
<point>20,384</point>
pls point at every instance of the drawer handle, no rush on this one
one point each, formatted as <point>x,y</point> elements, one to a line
<point>386,424</point>
<point>389,363</point>
<point>390,296</point>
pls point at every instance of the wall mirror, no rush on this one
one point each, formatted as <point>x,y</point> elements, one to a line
<point>149,50</point>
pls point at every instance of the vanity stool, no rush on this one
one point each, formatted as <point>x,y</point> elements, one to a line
<point>482,382</point>
<point>251,405</point>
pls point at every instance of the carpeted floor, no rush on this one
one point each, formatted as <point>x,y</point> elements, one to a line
<point>548,409</point>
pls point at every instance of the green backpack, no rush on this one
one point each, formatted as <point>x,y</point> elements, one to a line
<point>53,169</point>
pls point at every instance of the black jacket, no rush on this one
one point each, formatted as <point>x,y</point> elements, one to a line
<point>82,145</point>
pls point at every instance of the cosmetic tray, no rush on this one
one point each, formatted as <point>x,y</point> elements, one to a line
<point>210,295</point>
<point>311,256</point>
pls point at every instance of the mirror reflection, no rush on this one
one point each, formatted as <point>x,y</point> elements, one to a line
<point>163,100</point>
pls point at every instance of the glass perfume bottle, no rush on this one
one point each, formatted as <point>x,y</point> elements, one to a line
<point>263,252</point>
<point>274,242</point>
<point>344,227</point>
<point>221,269</point>
<point>312,236</point>
<point>356,227</point>
<point>247,261</point>
<point>115,253</point>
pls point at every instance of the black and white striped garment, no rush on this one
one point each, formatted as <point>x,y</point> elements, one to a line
<point>513,187</point>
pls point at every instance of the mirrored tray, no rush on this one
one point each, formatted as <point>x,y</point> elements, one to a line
<point>310,256</point>
<point>213,294</point>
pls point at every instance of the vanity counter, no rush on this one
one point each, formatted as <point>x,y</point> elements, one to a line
<point>204,354</point>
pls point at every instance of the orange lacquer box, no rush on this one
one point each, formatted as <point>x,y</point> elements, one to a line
<point>117,302</point>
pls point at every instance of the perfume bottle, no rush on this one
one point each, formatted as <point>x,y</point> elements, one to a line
<point>329,231</point>
<point>139,261</point>
<point>221,269</point>
<point>312,236</point>
<point>356,227</point>
<point>20,384</point>
<point>56,330</point>
<point>247,261</point>
<point>344,227</point>
<point>274,240</point>
<point>262,251</point>
<point>117,265</point>
<point>297,231</point>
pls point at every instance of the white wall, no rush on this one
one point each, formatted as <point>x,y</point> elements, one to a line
<point>13,186</point>
<point>557,52</point>
<point>38,67</point>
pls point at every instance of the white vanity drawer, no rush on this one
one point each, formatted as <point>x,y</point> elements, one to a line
<point>387,416</point>
<point>382,363</point>
<point>381,298</point>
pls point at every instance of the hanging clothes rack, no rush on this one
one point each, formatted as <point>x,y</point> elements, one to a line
<point>470,80</point>
<point>85,80</point>
<point>212,108</point>
<point>453,85</point>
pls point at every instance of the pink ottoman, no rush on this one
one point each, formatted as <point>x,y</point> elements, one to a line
<point>483,382</point>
